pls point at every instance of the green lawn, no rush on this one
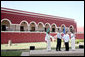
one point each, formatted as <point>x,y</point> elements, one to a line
<point>11,53</point>
<point>36,44</point>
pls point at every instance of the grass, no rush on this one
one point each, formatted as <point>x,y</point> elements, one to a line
<point>78,40</point>
<point>11,53</point>
<point>36,44</point>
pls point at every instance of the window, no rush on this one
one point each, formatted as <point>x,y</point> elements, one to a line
<point>3,27</point>
<point>33,29</point>
<point>40,27</point>
<point>24,26</point>
<point>62,27</point>
<point>53,29</point>
<point>45,29</point>
<point>21,28</point>
<point>71,28</point>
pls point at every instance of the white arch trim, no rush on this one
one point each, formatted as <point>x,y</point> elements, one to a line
<point>72,26</point>
<point>54,24</point>
<point>7,20</point>
<point>48,24</point>
<point>41,23</point>
<point>63,24</point>
<point>24,21</point>
<point>33,22</point>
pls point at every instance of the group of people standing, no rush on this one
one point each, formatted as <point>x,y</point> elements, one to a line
<point>65,36</point>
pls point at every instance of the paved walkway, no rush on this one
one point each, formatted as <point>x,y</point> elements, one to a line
<point>25,54</point>
<point>77,52</point>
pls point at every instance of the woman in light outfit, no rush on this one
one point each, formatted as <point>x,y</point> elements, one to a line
<point>72,40</point>
<point>48,40</point>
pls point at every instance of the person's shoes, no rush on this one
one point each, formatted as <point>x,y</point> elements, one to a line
<point>56,50</point>
<point>59,50</point>
<point>66,50</point>
<point>73,50</point>
<point>49,50</point>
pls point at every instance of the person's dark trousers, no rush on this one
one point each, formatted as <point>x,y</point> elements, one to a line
<point>67,46</point>
<point>58,46</point>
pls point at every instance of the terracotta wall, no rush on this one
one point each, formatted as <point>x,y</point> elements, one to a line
<point>27,37</point>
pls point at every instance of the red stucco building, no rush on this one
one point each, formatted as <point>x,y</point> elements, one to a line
<point>21,26</point>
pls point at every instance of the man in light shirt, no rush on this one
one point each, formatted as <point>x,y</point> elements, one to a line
<point>58,46</point>
<point>66,40</point>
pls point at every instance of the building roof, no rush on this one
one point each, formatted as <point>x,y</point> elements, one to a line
<point>35,14</point>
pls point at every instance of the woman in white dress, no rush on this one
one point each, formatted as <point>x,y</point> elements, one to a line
<point>48,40</point>
<point>72,40</point>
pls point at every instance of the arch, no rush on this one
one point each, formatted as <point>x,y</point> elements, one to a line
<point>53,27</point>
<point>62,27</point>
<point>5,24</point>
<point>24,21</point>
<point>47,25</point>
<point>41,23</point>
<point>33,22</point>
<point>7,20</point>
<point>23,25</point>
<point>41,26</point>
<point>71,28</point>
<point>54,24</point>
<point>67,29</point>
<point>33,26</point>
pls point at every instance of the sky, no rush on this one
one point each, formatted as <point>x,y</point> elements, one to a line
<point>68,9</point>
